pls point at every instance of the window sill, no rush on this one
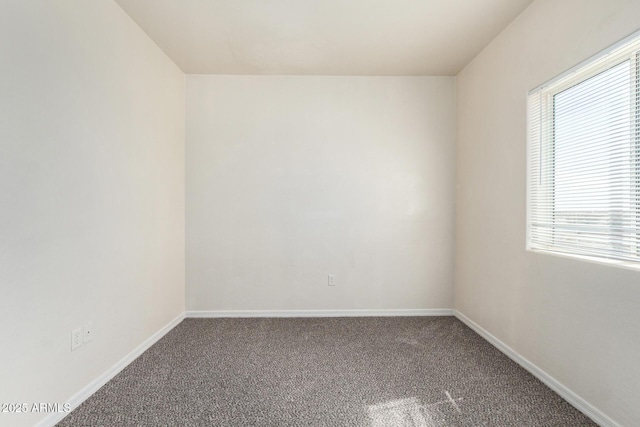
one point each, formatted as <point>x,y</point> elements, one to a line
<point>627,265</point>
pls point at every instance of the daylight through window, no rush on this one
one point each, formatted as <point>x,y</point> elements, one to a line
<point>584,159</point>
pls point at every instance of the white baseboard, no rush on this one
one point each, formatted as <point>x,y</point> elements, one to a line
<point>319,313</point>
<point>77,399</point>
<point>578,402</point>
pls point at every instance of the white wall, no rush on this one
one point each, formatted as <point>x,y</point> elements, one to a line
<point>290,179</point>
<point>578,321</point>
<point>91,194</point>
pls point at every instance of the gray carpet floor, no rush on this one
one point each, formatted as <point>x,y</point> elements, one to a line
<point>368,372</point>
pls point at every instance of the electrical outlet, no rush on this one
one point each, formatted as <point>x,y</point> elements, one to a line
<point>332,280</point>
<point>76,338</point>
<point>88,332</point>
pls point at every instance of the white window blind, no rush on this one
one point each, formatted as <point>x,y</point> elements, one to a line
<point>584,159</point>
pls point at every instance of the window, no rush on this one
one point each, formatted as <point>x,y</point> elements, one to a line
<point>584,159</point>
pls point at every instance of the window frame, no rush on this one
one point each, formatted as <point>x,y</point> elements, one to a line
<point>627,49</point>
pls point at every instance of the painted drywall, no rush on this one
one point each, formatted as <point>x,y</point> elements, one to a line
<point>91,195</point>
<point>290,179</point>
<point>328,37</point>
<point>576,320</point>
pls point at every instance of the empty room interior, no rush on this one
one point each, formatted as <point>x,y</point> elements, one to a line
<point>394,213</point>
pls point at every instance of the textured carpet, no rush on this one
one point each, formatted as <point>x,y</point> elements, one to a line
<point>369,372</point>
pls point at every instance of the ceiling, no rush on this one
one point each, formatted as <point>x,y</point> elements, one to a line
<point>323,37</point>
